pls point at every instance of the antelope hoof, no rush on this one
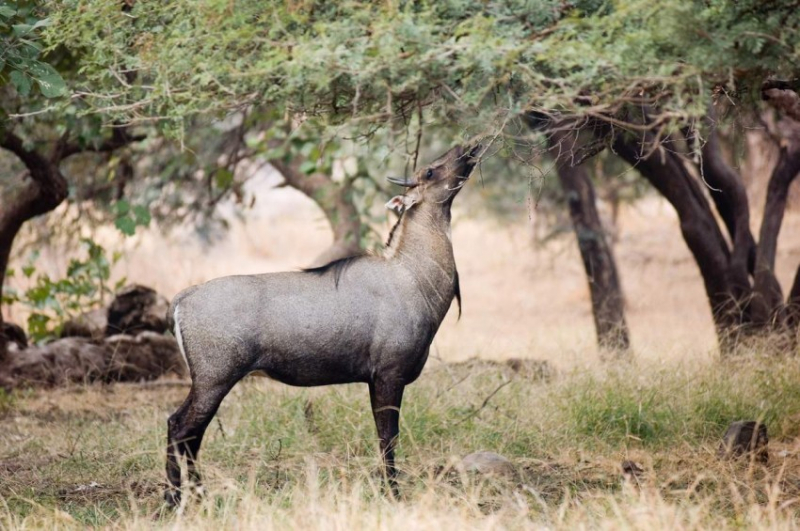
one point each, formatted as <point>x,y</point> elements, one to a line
<point>172,497</point>
<point>198,491</point>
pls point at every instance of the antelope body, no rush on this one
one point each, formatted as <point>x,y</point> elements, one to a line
<point>367,319</point>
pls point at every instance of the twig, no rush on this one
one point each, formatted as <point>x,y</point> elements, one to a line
<point>419,134</point>
<point>457,383</point>
<point>484,404</point>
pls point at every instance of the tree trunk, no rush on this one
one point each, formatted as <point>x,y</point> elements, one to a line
<point>728,192</point>
<point>608,305</point>
<point>793,305</point>
<point>42,189</point>
<point>7,233</point>
<point>767,296</point>
<point>39,190</point>
<point>336,202</point>
<point>666,172</point>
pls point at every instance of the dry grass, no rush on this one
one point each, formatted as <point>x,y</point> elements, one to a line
<point>94,455</point>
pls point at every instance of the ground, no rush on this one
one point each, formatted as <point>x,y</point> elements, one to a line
<point>280,457</point>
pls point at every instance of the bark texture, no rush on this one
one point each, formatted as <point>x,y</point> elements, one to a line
<point>40,189</point>
<point>666,172</point>
<point>608,305</point>
<point>768,297</point>
<point>739,274</point>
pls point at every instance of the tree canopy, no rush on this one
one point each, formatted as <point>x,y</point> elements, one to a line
<point>474,64</point>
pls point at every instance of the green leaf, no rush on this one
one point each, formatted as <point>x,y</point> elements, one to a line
<point>42,24</point>
<point>142,215</point>
<point>253,141</point>
<point>126,225</point>
<point>49,80</point>
<point>7,11</point>
<point>21,82</point>
<point>223,178</point>
<point>74,267</point>
<point>37,326</point>
<point>20,30</point>
<point>52,86</point>
<point>122,207</point>
<point>308,167</point>
<point>28,270</point>
<point>10,296</point>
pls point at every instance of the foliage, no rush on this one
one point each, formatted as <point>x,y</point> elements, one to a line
<point>129,217</point>
<point>20,51</point>
<point>35,108</point>
<point>669,406</point>
<point>474,64</point>
<point>334,81</point>
<point>7,402</point>
<point>53,302</point>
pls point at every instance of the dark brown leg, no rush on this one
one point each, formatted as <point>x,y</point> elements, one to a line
<point>386,398</point>
<point>172,494</point>
<point>186,428</point>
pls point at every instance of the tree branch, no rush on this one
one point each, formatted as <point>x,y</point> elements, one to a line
<point>608,305</point>
<point>119,139</point>
<point>730,198</point>
<point>335,201</point>
<point>703,236</point>
<point>30,158</point>
<point>784,98</point>
<point>768,299</point>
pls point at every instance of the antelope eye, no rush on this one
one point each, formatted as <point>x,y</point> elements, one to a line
<point>429,174</point>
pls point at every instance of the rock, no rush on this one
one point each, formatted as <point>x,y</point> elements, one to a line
<point>90,324</point>
<point>17,340</point>
<point>488,464</point>
<point>73,359</point>
<point>745,437</point>
<point>120,358</point>
<point>532,369</point>
<point>632,471</point>
<point>136,309</point>
<point>143,357</point>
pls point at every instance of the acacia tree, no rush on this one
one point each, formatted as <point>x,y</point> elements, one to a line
<point>739,273</point>
<point>215,160</point>
<point>636,73</point>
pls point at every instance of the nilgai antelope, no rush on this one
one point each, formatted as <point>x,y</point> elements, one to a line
<point>367,319</point>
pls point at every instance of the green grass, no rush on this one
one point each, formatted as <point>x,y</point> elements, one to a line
<point>308,457</point>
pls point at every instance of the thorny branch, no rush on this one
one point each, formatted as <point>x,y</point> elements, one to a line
<point>485,403</point>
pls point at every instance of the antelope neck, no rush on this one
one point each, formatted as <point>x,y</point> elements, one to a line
<point>421,242</point>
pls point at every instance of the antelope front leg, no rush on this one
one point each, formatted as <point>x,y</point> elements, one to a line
<point>386,397</point>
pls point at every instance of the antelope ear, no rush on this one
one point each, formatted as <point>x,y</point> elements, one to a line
<point>401,203</point>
